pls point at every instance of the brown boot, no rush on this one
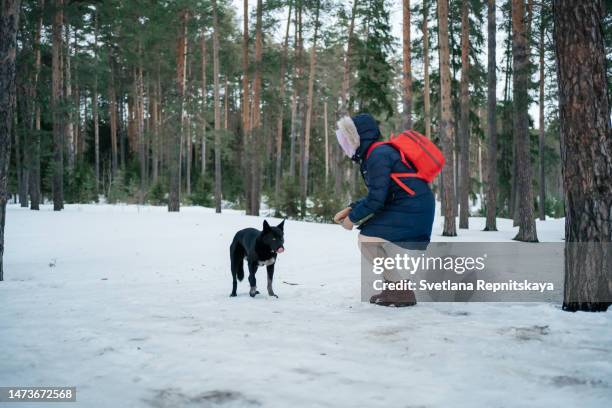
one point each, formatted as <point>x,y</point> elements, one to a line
<point>394,298</point>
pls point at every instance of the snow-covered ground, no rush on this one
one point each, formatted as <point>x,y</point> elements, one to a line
<point>130,305</point>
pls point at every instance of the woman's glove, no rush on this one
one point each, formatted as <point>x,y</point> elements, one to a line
<point>342,215</point>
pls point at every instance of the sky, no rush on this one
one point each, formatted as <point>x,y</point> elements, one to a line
<point>395,11</point>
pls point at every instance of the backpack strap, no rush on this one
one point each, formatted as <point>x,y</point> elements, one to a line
<point>396,176</point>
<point>373,146</point>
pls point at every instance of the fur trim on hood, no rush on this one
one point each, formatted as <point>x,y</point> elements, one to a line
<point>348,132</point>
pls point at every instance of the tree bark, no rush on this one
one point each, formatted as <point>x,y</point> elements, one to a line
<point>112,107</point>
<point>281,104</point>
<point>34,182</point>
<point>542,185</point>
<point>57,99</point>
<point>297,82</point>
<point>344,93</point>
<point>204,105</point>
<point>246,100</point>
<point>491,203</point>
<point>217,108</point>
<point>407,69</point>
<point>464,125</point>
<point>446,122</point>
<point>426,86</point>
<point>68,93</point>
<point>257,134</point>
<point>326,133</point>
<point>309,102</point>
<point>9,24</point>
<point>586,151</point>
<point>94,103</point>
<point>174,200</point>
<point>527,226</point>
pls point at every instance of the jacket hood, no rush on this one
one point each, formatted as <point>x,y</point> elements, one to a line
<point>368,130</point>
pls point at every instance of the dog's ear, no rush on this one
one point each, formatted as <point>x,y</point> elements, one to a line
<point>266,226</point>
<point>281,225</point>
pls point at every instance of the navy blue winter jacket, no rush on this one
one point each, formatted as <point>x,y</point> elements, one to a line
<point>388,211</point>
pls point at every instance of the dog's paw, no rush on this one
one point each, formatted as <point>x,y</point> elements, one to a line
<point>232,295</point>
<point>254,293</point>
<point>273,295</point>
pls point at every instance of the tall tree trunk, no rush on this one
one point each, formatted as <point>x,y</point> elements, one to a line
<point>309,102</point>
<point>542,186</point>
<point>94,103</point>
<point>9,24</point>
<point>446,122</point>
<point>34,182</point>
<point>281,104</point>
<point>68,93</point>
<point>491,224</point>
<point>174,199</point>
<point>407,70</point>
<point>344,92</point>
<point>326,133</point>
<point>527,226</point>
<point>204,105</point>
<point>140,124</point>
<point>297,82</point>
<point>154,104</point>
<point>246,115</point>
<point>426,87</point>
<point>464,125</point>
<point>586,151</point>
<point>112,107</point>
<point>21,147</point>
<point>57,99</point>
<point>257,141</point>
<point>216,101</point>
<point>77,100</point>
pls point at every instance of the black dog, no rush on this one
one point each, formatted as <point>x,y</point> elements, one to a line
<point>259,248</point>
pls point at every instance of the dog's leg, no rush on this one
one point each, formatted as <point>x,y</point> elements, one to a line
<point>252,269</point>
<point>270,278</point>
<point>234,285</point>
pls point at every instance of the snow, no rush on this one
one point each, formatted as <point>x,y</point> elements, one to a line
<point>130,304</point>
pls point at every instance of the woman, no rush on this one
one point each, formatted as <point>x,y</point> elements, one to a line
<point>388,214</point>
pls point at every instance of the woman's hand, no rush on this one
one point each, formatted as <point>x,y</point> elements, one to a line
<point>342,215</point>
<point>347,223</point>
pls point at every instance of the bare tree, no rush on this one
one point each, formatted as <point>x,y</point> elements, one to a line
<point>586,151</point>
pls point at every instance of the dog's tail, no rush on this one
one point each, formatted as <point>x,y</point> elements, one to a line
<point>237,260</point>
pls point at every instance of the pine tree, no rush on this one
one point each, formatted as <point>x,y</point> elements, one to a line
<point>491,203</point>
<point>446,127</point>
<point>586,148</point>
<point>527,227</point>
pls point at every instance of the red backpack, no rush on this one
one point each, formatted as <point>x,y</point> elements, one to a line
<point>417,152</point>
